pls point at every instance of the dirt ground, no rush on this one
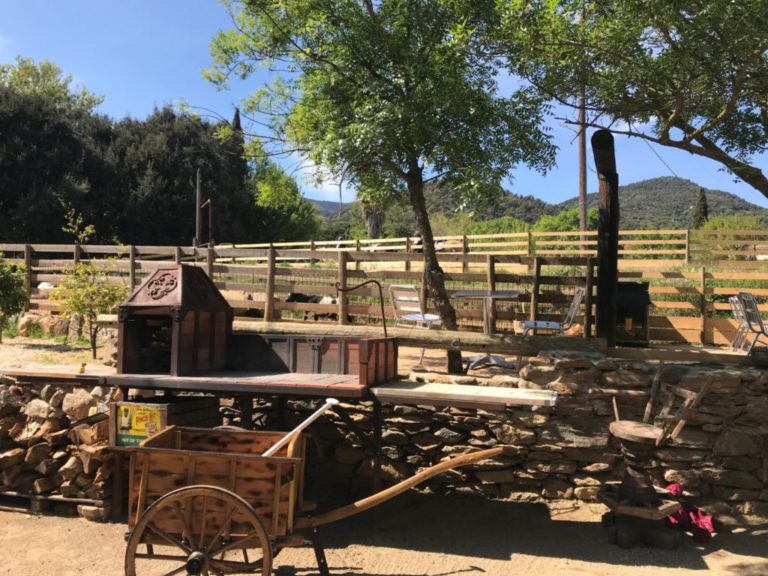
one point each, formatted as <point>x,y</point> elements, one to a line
<point>413,535</point>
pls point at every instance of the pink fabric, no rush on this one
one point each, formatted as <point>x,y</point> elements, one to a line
<point>690,518</point>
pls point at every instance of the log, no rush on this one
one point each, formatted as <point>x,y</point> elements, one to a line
<point>12,458</point>
<point>36,454</point>
<point>8,475</point>
<point>42,485</point>
<point>445,339</point>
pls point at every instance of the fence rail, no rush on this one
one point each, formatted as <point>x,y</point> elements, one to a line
<point>690,274</point>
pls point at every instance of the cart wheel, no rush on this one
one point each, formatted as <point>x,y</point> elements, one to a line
<point>199,531</point>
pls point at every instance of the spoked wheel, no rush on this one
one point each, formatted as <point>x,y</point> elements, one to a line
<point>198,531</point>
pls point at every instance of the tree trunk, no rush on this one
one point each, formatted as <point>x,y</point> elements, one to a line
<point>434,276</point>
<point>94,332</point>
<point>374,219</point>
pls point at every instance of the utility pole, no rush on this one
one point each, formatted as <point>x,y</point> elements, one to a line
<point>196,241</point>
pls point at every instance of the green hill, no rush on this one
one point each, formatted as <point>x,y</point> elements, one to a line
<point>668,202</point>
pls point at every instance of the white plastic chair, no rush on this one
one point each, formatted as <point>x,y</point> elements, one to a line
<point>409,309</point>
<point>552,326</point>
<point>754,320</point>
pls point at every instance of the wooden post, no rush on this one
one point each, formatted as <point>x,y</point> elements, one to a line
<point>588,297</point>
<point>131,266</point>
<point>607,235</point>
<point>177,254</point>
<point>408,248</point>
<point>687,246</point>
<point>535,289</point>
<point>464,252</point>
<point>490,270</point>
<point>76,255</point>
<point>209,261</point>
<point>531,248</point>
<point>357,249</point>
<point>703,304</point>
<point>269,298</point>
<point>28,269</point>
<point>343,302</point>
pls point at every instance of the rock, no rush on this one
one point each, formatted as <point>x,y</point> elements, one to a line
<point>496,476</point>
<point>556,467</point>
<point>37,408</point>
<point>463,380</point>
<point>734,494</point>
<point>544,456</point>
<point>71,469</point>
<point>573,364</point>
<point>11,457</point>
<point>686,478</point>
<point>596,468</point>
<point>508,434</point>
<point>528,385</point>
<point>624,378</point>
<point>585,480</point>
<point>77,403</point>
<point>449,436</point>
<point>93,513</point>
<point>391,436</point>
<point>732,478</point>
<point>98,393</point>
<point>57,398</point>
<point>586,493</point>
<point>735,443</point>
<point>530,419</point>
<point>426,442</point>
<point>755,509</point>
<point>517,493</point>
<point>724,381</point>
<point>55,325</point>
<point>694,438</point>
<point>742,463</point>
<point>681,455</point>
<point>28,323</point>
<point>540,375</point>
<point>590,435</point>
<point>605,365</point>
<point>36,454</point>
<point>503,381</point>
<point>557,489</point>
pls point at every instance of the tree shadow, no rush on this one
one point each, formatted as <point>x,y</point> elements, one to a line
<point>472,527</point>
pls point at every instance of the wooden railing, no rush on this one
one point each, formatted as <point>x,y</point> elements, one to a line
<point>690,275</point>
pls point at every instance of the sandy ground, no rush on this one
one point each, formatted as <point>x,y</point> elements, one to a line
<point>417,534</point>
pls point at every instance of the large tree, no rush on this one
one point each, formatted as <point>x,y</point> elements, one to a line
<point>691,74</point>
<point>400,91</point>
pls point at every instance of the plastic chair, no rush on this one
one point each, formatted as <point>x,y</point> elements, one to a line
<point>409,309</point>
<point>560,327</point>
<point>754,320</point>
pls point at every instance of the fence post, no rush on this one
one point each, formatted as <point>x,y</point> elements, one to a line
<point>342,298</point>
<point>131,266</point>
<point>269,297</point>
<point>490,272</point>
<point>177,254</point>
<point>357,249</point>
<point>531,248</point>
<point>464,252</point>
<point>535,291</point>
<point>408,248</point>
<point>589,282</point>
<point>76,255</point>
<point>28,268</point>
<point>209,261</point>
<point>703,304</point>
<point>687,246</point>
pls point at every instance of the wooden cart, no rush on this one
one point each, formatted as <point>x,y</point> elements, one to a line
<point>205,502</point>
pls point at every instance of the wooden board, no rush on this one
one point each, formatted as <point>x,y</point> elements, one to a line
<point>459,395</point>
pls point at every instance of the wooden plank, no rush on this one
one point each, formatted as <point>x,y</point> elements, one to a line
<point>435,394</point>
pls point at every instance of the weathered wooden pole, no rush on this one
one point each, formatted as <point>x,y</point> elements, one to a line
<point>607,235</point>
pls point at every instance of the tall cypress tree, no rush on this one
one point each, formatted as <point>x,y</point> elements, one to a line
<point>701,212</point>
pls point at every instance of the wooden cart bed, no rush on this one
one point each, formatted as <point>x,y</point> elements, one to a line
<point>178,457</point>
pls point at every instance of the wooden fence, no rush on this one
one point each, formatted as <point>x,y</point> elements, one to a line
<point>690,274</point>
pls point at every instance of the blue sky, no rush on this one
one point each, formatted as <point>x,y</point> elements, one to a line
<point>140,54</point>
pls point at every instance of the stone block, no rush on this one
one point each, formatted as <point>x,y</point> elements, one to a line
<point>735,443</point>
<point>588,435</point>
<point>624,378</point>
<point>77,404</point>
<point>508,434</point>
<point>37,408</point>
<point>449,436</point>
<point>554,488</point>
<point>586,493</point>
<point>731,478</point>
<point>539,375</point>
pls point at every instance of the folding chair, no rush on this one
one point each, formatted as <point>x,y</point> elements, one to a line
<point>561,327</point>
<point>754,320</point>
<point>742,326</point>
<point>409,309</point>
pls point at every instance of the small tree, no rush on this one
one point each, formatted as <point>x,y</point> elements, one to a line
<point>13,292</point>
<point>86,293</point>
<point>701,212</point>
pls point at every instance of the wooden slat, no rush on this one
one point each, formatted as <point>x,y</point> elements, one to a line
<point>435,394</point>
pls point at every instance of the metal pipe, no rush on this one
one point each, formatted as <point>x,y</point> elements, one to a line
<point>287,438</point>
<point>381,298</point>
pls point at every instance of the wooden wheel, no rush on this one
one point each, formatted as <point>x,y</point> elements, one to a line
<point>199,531</point>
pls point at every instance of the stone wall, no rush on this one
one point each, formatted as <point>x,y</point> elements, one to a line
<point>566,452</point>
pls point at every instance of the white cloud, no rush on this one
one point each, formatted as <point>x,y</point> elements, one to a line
<point>314,181</point>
